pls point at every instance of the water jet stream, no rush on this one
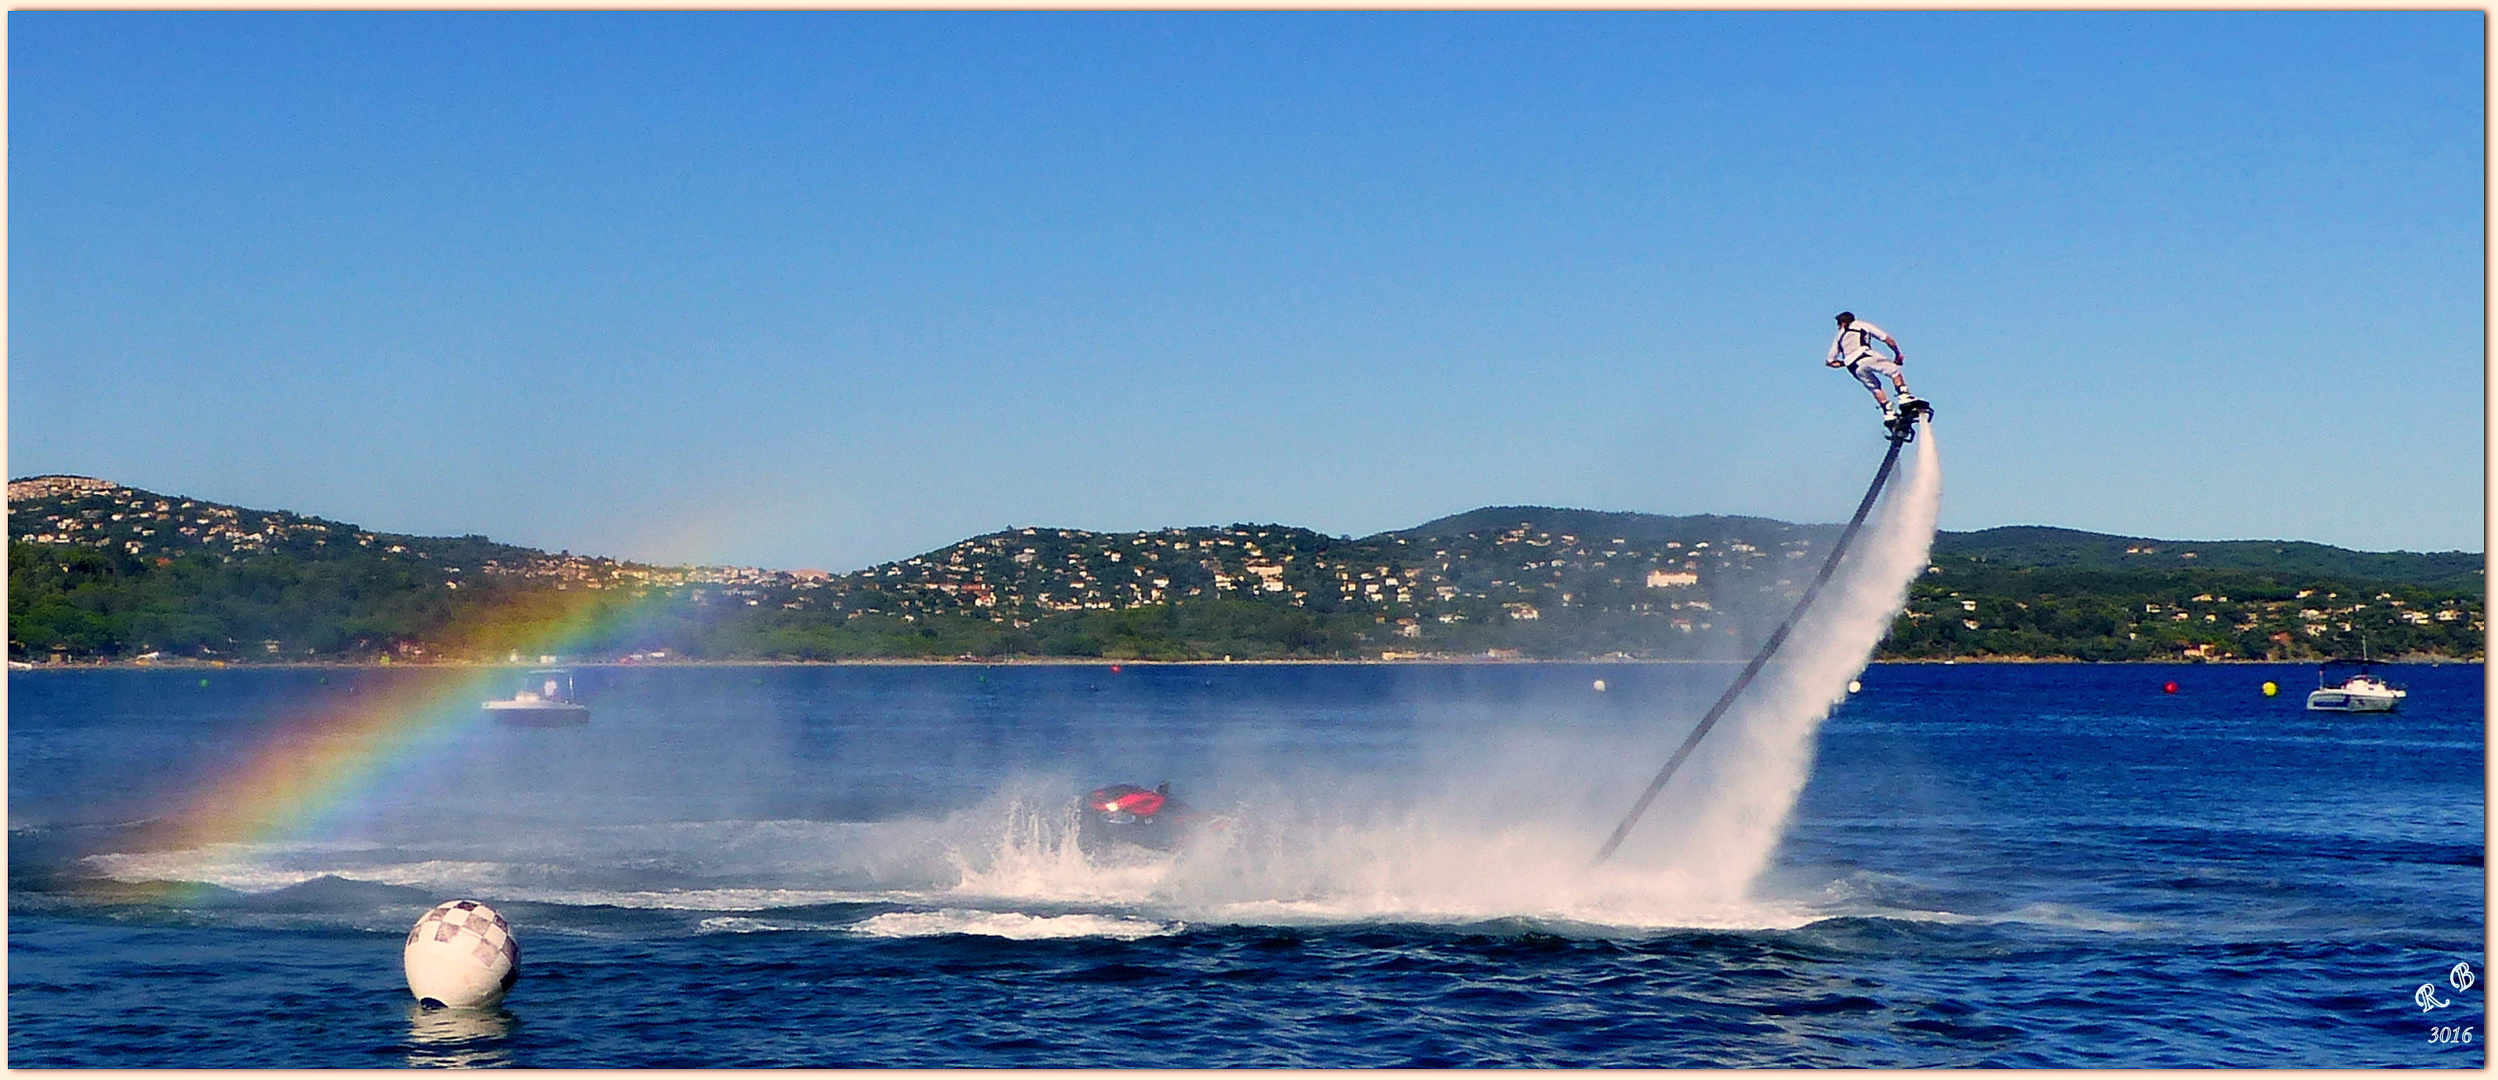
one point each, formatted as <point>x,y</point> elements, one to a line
<point>1838,552</point>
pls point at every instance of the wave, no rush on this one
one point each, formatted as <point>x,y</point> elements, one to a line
<point>1011,924</point>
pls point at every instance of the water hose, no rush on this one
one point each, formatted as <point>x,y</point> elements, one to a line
<point>1830,565</point>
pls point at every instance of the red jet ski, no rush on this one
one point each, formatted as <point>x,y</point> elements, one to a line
<point>1126,813</point>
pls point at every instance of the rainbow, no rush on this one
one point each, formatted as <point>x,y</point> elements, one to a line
<point>309,772</point>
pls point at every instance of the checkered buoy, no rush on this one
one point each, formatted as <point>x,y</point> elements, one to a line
<point>462,955</point>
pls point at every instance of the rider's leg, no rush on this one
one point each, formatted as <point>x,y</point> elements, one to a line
<point>1873,383</point>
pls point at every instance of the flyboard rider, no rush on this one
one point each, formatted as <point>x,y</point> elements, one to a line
<point>1853,349</point>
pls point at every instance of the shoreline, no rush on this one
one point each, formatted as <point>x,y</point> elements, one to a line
<point>1088,661</point>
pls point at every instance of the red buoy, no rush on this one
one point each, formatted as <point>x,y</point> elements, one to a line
<point>2169,687</point>
<point>1114,669</point>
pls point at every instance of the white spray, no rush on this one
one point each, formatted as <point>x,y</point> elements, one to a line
<point>1718,826</point>
<point>1509,825</point>
<point>1504,820</point>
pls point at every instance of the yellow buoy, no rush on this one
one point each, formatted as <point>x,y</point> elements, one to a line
<point>2271,688</point>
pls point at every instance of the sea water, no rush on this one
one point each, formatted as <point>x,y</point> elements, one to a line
<point>1988,865</point>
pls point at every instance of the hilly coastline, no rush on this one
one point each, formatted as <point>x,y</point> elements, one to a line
<point>103,572</point>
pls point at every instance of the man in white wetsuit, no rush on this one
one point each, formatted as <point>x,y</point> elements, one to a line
<point>1853,349</point>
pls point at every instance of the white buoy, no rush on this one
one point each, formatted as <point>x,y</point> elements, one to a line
<point>462,955</point>
<point>1600,686</point>
<point>1855,686</point>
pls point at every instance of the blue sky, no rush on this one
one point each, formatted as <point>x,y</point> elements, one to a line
<point>829,289</point>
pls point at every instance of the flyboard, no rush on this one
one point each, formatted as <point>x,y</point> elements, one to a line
<point>1902,428</point>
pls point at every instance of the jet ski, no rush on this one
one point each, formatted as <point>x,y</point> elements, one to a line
<point>1128,814</point>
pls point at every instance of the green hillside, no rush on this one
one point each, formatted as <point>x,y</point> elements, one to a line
<point>1633,527</point>
<point>2043,547</point>
<point>99,571</point>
